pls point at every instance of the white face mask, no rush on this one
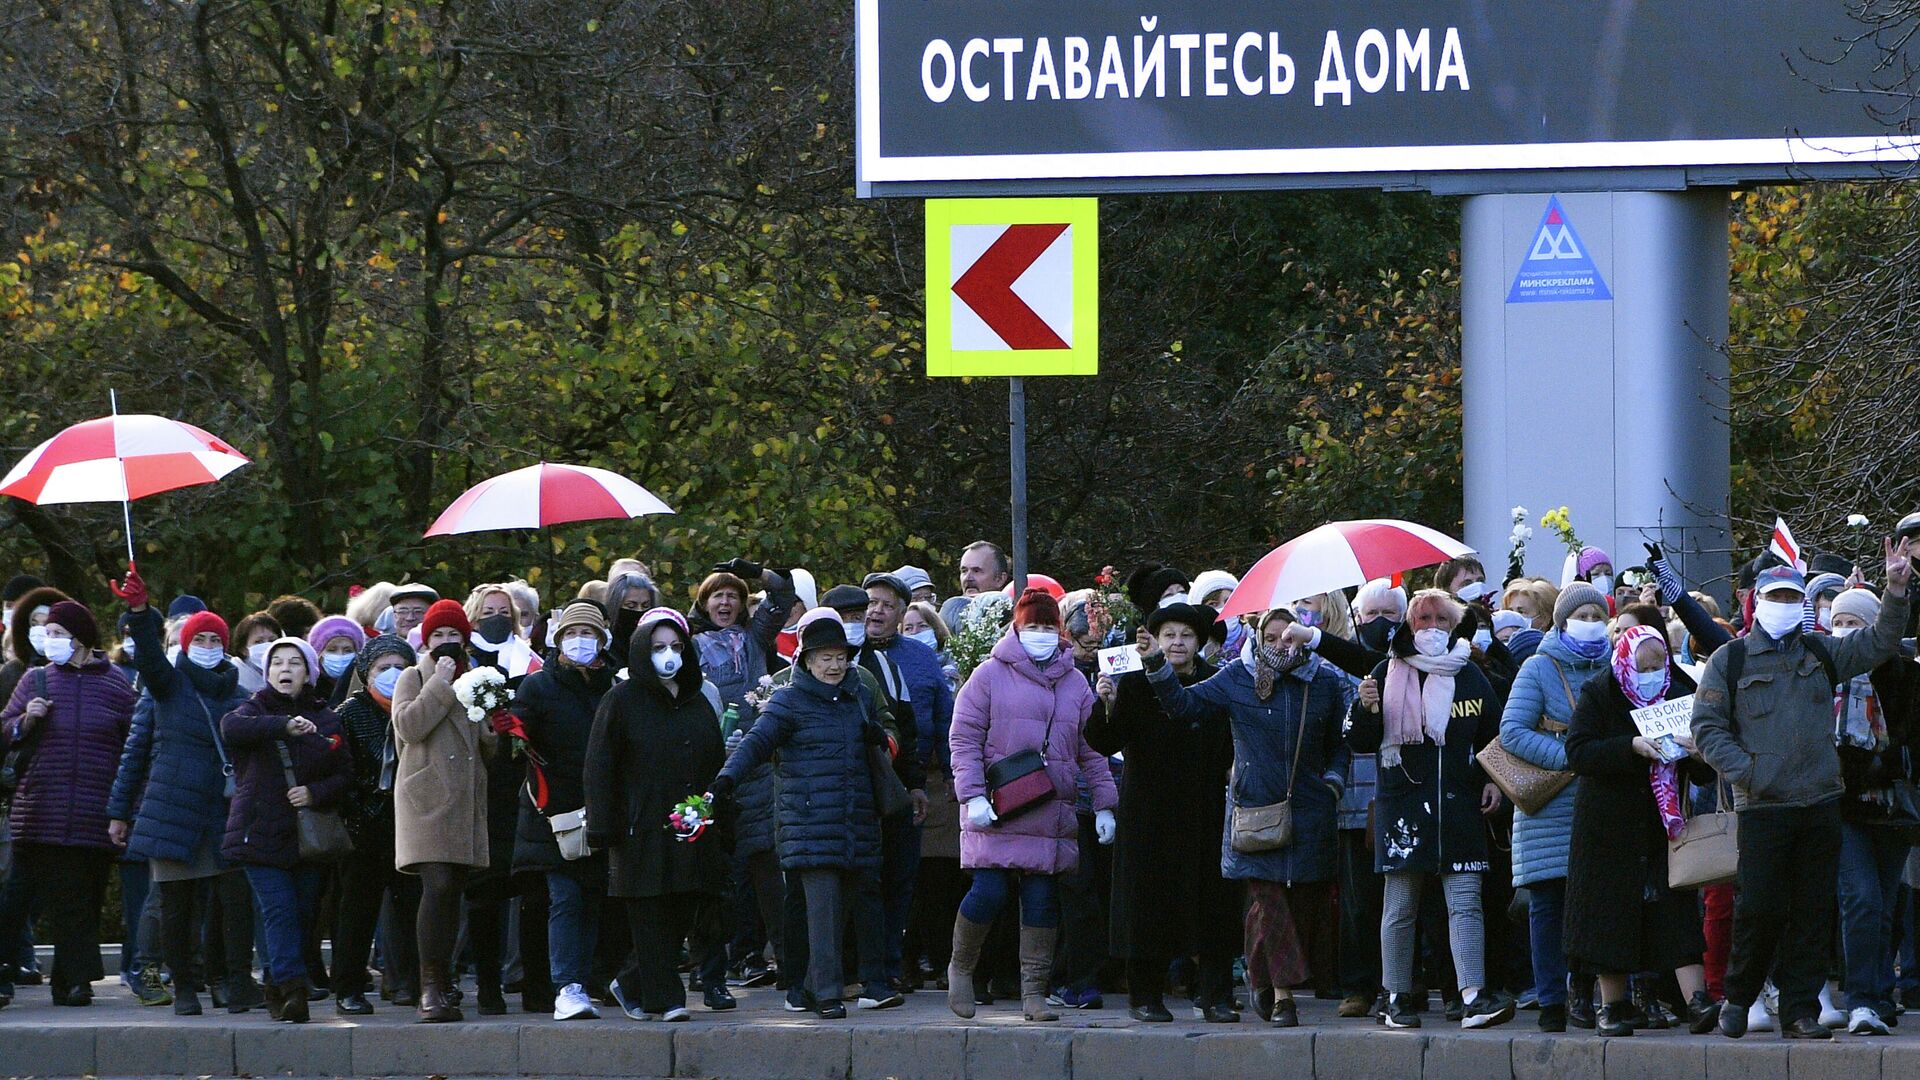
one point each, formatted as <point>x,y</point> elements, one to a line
<point>926,637</point>
<point>1778,620</point>
<point>666,661</point>
<point>1482,638</point>
<point>257,654</point>
<point>1040,643</point>
<point>1585,629</point>
<point>37,637</point>
<point>58,650</point>
<point>580,650</point>
<point>1471,591</point>
<point>1649,683</point>
<point>1604,583</point>
<point>206,656</point>
<point>1173,598</point>
<point>856,633</point>
<point>1843,631</point>
<point>1431,642</point>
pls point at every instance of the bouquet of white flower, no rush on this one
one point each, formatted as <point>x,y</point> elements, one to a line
<point>981,628</point>
<point>483,691</point>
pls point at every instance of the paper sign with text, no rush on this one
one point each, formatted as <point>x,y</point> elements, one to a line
<point>1673,716</point>
<point>1119,660</point>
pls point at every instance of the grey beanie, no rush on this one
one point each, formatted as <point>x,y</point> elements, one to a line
<point>1572,598</point>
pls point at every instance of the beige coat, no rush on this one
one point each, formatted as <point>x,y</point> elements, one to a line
<point>440,788</point>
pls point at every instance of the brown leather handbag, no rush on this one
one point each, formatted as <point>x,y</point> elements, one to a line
<point>1254,829</point>
<point>1528,786</point>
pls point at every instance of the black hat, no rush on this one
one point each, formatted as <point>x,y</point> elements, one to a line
<point>1199,616</point>
<point>1149,583</point>
<point>899,587</point>
<point>1828,563</point>
<point>18,586</point>
<point>824,633</point>
<point>845,598</point>
<point>1909,526</point>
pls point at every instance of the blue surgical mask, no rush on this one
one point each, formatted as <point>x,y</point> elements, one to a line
<point>386,681</point>
<point>336,664</point>
<point>856,634</point>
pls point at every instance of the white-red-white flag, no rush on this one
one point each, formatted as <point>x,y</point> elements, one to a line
<point>1785,547</point>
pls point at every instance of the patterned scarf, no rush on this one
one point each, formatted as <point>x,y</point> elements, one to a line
<point>1268,664</point>
<point>1857,719</point>
<point>1663,776</point>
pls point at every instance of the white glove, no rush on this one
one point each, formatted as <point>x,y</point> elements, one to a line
<point>980,812</point>
<point>1104,826</point>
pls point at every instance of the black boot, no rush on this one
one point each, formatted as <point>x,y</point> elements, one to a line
<point>1580,1006</point>
<point>276,999</point>
<point>1615,1022</point>
<point>1702,1013</point>
<point>293,1000</point>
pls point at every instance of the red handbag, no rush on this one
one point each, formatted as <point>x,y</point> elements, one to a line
<point>1019,782</point>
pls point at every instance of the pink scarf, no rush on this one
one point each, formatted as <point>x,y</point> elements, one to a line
<point>1664,776</point>
<point>1417,711</point>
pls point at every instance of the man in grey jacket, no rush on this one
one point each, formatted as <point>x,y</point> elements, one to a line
<point>1763,718</point>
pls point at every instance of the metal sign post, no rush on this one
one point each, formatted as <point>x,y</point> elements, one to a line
<point>1017,454</point>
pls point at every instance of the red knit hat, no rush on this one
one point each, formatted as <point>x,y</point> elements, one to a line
<point>445,613</point>
<point>203,622</point>
<point>1036,607</point>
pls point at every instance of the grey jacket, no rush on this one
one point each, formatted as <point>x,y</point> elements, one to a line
<point>1779,750</point>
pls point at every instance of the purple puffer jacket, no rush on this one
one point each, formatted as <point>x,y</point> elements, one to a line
<point>263,828</point>
<point>1002,710</point>
<point>62,799</point>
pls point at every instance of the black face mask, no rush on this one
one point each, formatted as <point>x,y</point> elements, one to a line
<point>496,628</point>
<point>450,651</point>
<point>1378,634</point>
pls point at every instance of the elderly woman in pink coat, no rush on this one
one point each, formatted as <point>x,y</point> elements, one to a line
<point>1027,696</point>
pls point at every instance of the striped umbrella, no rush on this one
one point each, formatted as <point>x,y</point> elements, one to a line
<point>118,459</point>
<point>546,494</point>
<point>1335,556</point>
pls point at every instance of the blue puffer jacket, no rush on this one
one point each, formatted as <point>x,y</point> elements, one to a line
<point>1265,735</point>
<point>1541,841</point>
<point>172,755</point>
<point>826,810</point>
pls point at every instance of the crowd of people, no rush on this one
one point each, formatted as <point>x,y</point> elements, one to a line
<point>861,792</point>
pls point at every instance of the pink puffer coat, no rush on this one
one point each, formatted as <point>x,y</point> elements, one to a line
<point>1003,709</point>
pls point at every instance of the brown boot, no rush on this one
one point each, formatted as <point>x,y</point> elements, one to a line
<point>1036,963</point>
<point>276,998</point>
<point>968,938</point>
<point>435,1008</point>
<point>293,1001</point>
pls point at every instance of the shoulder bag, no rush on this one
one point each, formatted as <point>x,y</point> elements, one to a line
<point>13,767</point>
<point>1528,786</point>
<point>1019,782</point>
<point>1254,829</point>
<point>1707,851</point>
<point>323,836</point>
<point>219,746</point>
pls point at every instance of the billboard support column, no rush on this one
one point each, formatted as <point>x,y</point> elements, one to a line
<point>1593,378</point>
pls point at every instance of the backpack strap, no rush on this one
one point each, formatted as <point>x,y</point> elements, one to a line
<point>1736,663</point>
<point>1816,644</point>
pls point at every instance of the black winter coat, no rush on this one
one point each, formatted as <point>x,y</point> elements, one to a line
<point>262,826</point>
<point>1426,811</point>
<point>556,705</point>
<point>1617,861</point>
<point>1168,896</point>
<point>648,750</point>
<point>368,811</point>
<point>825,806</point>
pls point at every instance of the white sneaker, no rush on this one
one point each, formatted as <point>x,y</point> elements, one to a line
<point>1758,1018</point>
<point>1832,1016</point>
<point>572,1003</point>
<point>676,1015</point>
<point>1864,1021</point>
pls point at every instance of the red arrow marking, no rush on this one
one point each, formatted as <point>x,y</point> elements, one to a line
<point>987,287</point>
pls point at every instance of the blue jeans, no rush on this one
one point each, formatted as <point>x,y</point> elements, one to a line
<point>135,950</point>
<point>573,927</point>
<point>899,868</point>
<point>285,900</point>
<point>1546,928</point>
<point>1871,859</point>
<point>1039,898</point>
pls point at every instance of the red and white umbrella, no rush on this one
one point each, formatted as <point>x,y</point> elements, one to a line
<point>546,494</point>
<point>119,459</point>
<point>1337,555</point>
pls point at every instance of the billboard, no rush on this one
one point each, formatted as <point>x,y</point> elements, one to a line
<point>965,97</point>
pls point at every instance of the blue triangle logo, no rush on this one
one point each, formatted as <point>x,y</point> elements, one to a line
<point>1558,266</point>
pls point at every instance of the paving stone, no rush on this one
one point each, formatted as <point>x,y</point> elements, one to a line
<point>996,1052</point>
<point>1132,1054</point>
<point>1467,1057</point>
<point>1658,1059</point>
<point>1753,1058</point>
<point>1244,1056</point>
<point>1840,1059</point>
<point>1540,1057</point>
<point>763,1052</point>
<point>293,1050</point>
<point>607,1048</point>
<point>437,1049</point>
<point>909,1053</point>
<point>1367,1054</point>
<point>46,1051</point>
<point>163,1050</point>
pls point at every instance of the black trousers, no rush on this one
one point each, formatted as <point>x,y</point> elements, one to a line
<point>1083,914</point>
<point>1783,914</point>
<point>67,885</point>
<point>1361,904</point>
<point>658,924</point>
<point>365,878</point>
<point>185,909</point>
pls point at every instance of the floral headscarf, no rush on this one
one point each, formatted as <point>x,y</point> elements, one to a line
<point>1624,667</point>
